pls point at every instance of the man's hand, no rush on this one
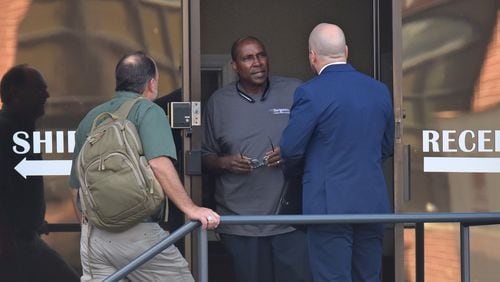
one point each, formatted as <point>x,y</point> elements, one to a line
<point>167,176</point>
<point>208,218</point>
<point>237,164</point>
<point>274,157</point>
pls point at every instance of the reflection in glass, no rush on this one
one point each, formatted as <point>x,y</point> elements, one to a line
<point>448,78</point>
<point>76,44</point>
<point>451,81</point>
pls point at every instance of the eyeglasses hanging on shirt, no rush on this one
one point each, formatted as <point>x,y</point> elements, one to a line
<point>250,99</point>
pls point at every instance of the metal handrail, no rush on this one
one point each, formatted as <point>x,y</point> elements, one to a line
<point>154,250</point>
<point>465,219</point>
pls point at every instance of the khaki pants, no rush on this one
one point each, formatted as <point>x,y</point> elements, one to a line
<point>110,251</point>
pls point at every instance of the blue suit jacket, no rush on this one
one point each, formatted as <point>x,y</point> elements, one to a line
<point>341,128</point>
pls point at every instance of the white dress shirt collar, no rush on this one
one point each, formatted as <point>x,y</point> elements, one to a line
<point>327,65</point>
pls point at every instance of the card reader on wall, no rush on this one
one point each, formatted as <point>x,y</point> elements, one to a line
<point>180,114</point>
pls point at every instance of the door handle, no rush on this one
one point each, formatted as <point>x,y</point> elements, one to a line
<point>407,172</point>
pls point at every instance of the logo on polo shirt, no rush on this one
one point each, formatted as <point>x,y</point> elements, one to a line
<point>275,111</point>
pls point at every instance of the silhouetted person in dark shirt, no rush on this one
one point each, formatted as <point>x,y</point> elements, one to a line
<point>24,256</point>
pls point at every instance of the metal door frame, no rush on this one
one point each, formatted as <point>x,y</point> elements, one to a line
<point>191,81</point>
<point>399,174</point>
<point>191,86</point>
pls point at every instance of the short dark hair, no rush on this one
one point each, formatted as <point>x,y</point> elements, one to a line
<point>133,71</point>
<point>238,42</point>
<point>12,80</point>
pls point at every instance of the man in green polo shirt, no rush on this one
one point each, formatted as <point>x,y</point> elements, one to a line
<point>102,252</point>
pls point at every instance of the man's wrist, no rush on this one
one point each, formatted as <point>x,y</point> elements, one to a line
<point>223,163</point>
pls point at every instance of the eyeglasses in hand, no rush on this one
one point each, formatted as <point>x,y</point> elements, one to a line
<point>256,163</point>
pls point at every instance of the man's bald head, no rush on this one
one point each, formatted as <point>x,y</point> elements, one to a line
<point>327,42</point>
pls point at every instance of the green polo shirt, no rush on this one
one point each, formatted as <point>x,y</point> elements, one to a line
<point>150,120</point>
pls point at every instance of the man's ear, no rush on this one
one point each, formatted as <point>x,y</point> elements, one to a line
<point>150,89</point>
<point>233,65</point>
<point>313,57</point>
<point>152,84</point>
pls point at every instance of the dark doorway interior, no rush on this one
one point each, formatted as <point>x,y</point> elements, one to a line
<point>284,28</point>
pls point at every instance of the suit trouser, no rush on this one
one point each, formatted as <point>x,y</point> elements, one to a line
<point>278,258</point>
<point>345,252</point>
<point>108,252</point>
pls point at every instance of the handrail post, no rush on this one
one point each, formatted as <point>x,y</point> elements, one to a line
<point>202,255</point>
<point>465,252</point>
<point>419,252</point>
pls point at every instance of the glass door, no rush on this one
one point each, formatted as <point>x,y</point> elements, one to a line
<point>76,45</point>
<point>450,110</point>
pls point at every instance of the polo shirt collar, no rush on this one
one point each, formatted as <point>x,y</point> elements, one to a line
<point>126,94</point>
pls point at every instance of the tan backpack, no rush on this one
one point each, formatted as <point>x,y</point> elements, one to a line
<point>118,188</point>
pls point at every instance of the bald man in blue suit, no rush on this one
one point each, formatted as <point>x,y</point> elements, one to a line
<point>340,131</point>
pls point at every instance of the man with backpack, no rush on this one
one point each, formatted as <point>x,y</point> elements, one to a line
<point>105,245</point>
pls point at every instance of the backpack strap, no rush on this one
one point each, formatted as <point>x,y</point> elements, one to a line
<point>125,108</point>
<point>122,112</point>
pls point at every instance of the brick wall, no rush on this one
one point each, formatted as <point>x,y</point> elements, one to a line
<point>12,14</point>
<point>487,91</point>
<point>442,253</point>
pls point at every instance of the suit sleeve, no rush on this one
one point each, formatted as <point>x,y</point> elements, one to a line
<point>295,139</point>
